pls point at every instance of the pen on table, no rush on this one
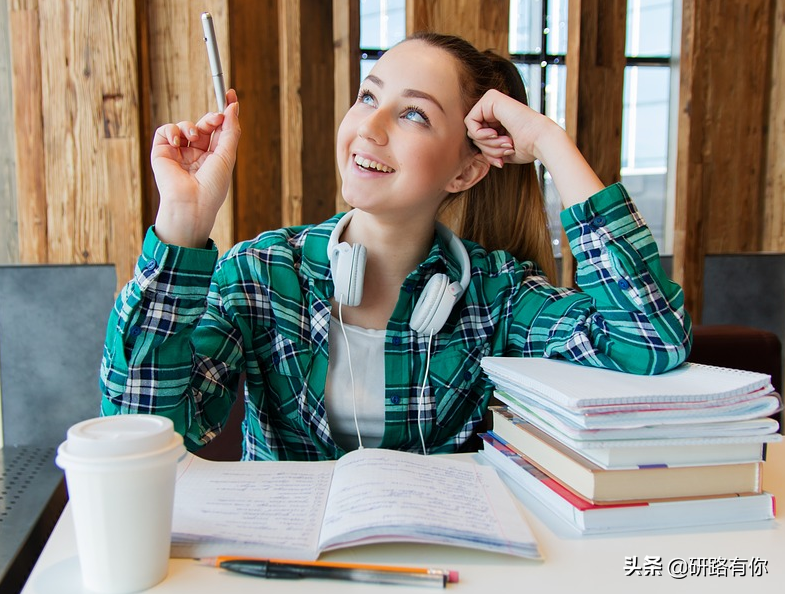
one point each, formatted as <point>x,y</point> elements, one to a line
<point>357,572</point>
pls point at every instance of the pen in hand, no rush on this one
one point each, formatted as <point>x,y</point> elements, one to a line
<point>376,574</point>
<point>215,60</point>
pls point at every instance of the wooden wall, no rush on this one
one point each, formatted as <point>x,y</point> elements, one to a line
<point>774,202</point>
<point>723,147</point>
<point>76,119</point>
<point>9,240</point>
<point>87,82</point>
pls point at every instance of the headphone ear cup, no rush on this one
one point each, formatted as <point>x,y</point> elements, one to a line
<point>347,264</point>
<point>434,305</point>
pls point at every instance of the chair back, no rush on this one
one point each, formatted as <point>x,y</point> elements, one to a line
<point>52,328</point>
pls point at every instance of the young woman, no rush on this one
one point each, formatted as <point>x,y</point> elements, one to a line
<point>368,329</point>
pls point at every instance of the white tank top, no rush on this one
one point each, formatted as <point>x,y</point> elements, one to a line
<point>367,359</point>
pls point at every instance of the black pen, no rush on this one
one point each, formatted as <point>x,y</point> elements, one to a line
<point>376,574</point>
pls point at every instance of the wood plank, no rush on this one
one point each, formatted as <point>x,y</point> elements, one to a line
<point>318,112</point>
<point>346,40</point>
<point>307,112</point>
<point>689,245</point>
<point>596,60</point>
<point>253,26</point>
<point>484,23</point>
<point>737,69</point>
<point>9,231</point>
<point>120,143</point>
<point>180,80</point>
<point>291,112</point>
<point>720,170</point>
<point>149,190</point>
<point>73,40</point>
<point>774,204</point>
<point>124,224</point>
<point>29,133</point>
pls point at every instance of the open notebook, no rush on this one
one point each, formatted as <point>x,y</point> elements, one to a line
<point>297,510</point>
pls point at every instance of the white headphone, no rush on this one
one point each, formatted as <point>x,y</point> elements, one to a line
<point>347,264</point>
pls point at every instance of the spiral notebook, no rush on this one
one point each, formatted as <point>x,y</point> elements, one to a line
<point>584,389</point>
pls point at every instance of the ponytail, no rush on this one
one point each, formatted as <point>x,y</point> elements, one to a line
<point>506,209</point>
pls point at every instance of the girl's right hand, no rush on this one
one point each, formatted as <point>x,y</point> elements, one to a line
<point>193,166</point>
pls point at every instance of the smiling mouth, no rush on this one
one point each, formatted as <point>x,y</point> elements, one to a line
<point>369,165</point>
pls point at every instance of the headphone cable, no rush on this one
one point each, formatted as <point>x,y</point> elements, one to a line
<point>351,374</point>
<point>422,393</point>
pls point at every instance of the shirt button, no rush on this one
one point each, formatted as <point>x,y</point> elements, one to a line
<point>408,287</point>
<point>151,265</point>
<point>276,359</point>
<point>135,331</point>
<point>624,284</point>
<point>396,340</point>
<point>597,222</point>
<point>467,375</point>
<point>395,399</point>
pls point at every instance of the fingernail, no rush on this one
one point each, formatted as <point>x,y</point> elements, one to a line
<point>193,132</point>
<point>176,141</point>
<point>509,152</point>
<point>237,110</point>
<point>499,163</point>
<point>507,145</point>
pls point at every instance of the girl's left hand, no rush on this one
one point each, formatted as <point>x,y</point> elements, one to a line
<point>506,130</point>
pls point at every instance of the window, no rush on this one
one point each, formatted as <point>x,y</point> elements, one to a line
<point>382,25</point>
<point>538,46</point>
<point>646,115</point>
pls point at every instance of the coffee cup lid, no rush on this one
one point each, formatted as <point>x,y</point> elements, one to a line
<point>119,435</point>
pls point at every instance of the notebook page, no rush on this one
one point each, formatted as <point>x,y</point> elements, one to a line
<point>269,509</point>
<point>577,386</point>
<point>382,495</point>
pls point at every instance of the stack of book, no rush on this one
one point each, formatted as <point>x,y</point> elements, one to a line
<point>612,452</point>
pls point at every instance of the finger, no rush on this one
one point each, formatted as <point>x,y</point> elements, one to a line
<point>226,139</point>
<point>483,133</point>
<point>231,97</point>
<point>188,132</point>
<point>209,122</point>
<point>199,134</point>
<point>168,134</point>
<point>229,135</point>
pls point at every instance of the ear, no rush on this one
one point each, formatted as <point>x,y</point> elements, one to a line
<point>475,169</point>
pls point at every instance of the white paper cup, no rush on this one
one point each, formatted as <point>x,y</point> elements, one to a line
<point>120,473</point>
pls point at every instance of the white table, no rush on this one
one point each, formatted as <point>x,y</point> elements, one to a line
<point>573,563</point>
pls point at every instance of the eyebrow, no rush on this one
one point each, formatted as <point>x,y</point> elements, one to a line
<point>414,93</point>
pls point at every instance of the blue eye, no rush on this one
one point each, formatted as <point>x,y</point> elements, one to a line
<point>366,98</point>
<point>415,114</point>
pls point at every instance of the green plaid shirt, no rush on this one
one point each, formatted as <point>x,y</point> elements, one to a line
<point>184,330</point>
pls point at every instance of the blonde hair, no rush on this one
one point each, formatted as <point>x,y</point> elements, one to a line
<point>506,209</point>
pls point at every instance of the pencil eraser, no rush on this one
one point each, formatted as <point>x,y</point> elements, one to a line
<point>453,577</point>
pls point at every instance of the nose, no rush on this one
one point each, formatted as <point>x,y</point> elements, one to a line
<point>373,127</point>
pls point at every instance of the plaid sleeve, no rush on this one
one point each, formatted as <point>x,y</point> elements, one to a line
<point>149,363</point>
<point>628,315</point>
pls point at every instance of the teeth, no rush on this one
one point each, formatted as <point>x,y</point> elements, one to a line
<point>368,164</point>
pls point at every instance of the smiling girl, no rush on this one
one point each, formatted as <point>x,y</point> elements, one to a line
<point>367,330</point>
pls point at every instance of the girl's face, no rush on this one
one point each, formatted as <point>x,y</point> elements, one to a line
<point>402,146</point>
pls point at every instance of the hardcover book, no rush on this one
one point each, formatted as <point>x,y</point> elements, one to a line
<point>588,518</point>
<point>600,485</point>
